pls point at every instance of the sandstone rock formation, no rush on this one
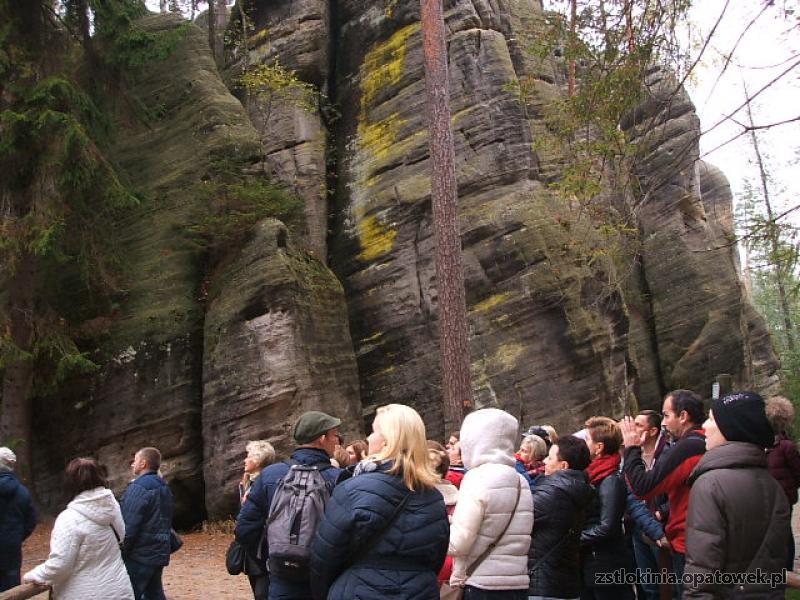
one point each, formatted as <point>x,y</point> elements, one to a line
<point>276,345</point>
<point>557,331</point>
<point>701,319</point>
<point>546,334</point>
<point>295,35</point>
<point>163,365</point>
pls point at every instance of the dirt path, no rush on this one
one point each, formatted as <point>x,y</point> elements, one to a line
<point>196,571</point>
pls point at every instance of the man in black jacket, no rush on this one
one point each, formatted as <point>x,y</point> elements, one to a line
<point>147,507</point>
<point>17,520</point>
<point>560,499</point>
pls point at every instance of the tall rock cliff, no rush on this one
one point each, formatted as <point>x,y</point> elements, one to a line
<point>205,357</point>
<point>200,359</point>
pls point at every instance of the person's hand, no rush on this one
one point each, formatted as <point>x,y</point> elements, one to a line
<point>630,437</point>
<point>658,515</point>
<point>664,543</point>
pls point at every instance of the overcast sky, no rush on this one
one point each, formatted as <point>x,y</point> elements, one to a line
<point>769,47</point>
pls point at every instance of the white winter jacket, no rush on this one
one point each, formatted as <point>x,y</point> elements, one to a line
<point>85,561</point>
<point>485,503</point>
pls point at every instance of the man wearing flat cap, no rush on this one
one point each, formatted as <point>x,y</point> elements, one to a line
<point>738,521</point>
<point>316,434</point>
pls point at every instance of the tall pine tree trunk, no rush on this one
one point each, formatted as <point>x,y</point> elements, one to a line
<point>453,339</point>
<point>17,381</point>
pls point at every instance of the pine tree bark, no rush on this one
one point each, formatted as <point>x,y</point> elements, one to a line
<point>212,25</point>
<point>221,16</point>
<point>17,376</point>
<point>453,338</point>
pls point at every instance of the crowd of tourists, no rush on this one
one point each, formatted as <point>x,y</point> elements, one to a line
<point>678,502</point>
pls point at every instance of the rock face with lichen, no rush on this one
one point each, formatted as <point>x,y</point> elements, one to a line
<point>204,357</point>
<point>701,322</point>
<point>545,333</point>
<point>276,345</point>
<point>199,360</point>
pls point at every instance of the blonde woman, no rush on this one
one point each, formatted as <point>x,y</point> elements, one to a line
<point>260,454</point>
<point>385,531</point>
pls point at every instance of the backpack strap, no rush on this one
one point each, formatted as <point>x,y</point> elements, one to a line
<point>321,465</point>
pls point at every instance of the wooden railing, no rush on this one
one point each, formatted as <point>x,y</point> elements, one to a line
<point>24,591</point>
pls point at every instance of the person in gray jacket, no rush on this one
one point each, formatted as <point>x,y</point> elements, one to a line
<point>736,534</point>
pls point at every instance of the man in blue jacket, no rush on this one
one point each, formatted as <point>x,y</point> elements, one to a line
<point>316,434</point>
<point>17,520</point>
<point>147,507</point>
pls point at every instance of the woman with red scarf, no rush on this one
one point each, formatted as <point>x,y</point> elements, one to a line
<point>604,555</point>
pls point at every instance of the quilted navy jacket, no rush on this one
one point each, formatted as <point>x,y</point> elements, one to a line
<point>401,563</point>
<point>254,512</point>
<point>17,520</point>
<point>147,508</point>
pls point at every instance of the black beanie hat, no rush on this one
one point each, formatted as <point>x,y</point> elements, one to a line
<point>741,417</point>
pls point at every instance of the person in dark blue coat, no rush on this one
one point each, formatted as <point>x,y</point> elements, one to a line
<point>17,520</point>
<point>385,531</point>
<point>147,506</point>
<point>317,434</point>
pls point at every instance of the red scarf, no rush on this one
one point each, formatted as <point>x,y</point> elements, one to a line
<point>603,466</point>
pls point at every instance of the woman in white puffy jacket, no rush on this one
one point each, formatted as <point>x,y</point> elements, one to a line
<point>494,507</point>
<point>85,562</point>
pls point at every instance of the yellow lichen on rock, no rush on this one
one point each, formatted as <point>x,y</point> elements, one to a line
<point>491,302</point>
<point>375,237</point>
<point>383,65</point>
<point>382,68</point>
<point>378,138</point>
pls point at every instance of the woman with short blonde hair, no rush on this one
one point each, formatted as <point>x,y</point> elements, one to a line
<point>260,454</point>
<point>389,515</point>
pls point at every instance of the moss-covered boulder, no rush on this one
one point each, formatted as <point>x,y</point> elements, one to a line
<point>163,356</point>
<point>277,344</point>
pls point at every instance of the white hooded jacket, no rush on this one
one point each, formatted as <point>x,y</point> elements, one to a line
<point>85,562</point>
<point>485,503</point>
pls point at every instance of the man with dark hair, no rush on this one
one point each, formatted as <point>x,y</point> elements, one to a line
<point>17,520</point>
<point>647,553</point>
<point>147,508</point>
<point>683,414</point>
<point>560,499</point>
<point>648,425</point>
<point>316,434</point>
